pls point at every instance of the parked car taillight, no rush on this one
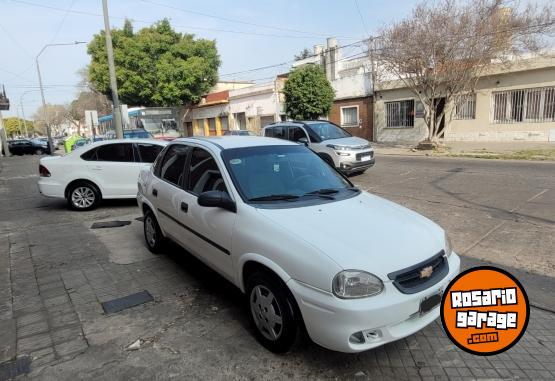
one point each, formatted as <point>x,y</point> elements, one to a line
<point>43,171</point>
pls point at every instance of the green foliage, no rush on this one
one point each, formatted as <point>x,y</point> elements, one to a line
<point>155,66</point>
<point>308,93</point>
<point>15,126</point>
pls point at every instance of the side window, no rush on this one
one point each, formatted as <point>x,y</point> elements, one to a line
<point>121,152</point>
<point>269,132</point>
<point>157,166</point>
<point>173,165</point>
<point>90,155</point>
<point>148,152</point>
<point>280,132</point>
<point>204,174</point>
<point>296,133</point>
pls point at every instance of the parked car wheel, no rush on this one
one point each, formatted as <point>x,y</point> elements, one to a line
<point>39,152</point>
<point>154,238</point>
<point>272,312</point>
<point>83,195</point>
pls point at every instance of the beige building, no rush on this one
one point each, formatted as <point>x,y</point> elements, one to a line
<point>510,104</point>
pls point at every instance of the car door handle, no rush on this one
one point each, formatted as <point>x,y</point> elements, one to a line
<point>184,207</point>
<point>155,192</point>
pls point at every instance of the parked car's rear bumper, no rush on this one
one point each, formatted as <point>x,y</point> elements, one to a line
<point>50,188</point>
<point>331,321</point>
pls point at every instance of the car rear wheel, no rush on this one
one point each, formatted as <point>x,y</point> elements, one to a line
<point>39,151</point>
<point>83,196</point>
<point>155,240</point>
<point>272,312</point>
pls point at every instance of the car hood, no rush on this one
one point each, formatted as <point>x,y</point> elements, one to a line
<point>364,232</point>
<point>351,141</point>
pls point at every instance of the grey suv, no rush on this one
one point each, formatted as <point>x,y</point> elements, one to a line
<point>349,154</point>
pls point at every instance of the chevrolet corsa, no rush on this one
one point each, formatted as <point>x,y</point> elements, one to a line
<point>307,248</point>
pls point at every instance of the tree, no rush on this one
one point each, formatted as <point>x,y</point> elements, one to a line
<point>443,48</point>
<point>308,93</point>
<point>16,126</point>
<point>305,53</point>
<point>155,66</point>
<point>56,115</point>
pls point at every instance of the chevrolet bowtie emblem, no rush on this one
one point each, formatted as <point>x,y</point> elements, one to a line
<point>426,272</point>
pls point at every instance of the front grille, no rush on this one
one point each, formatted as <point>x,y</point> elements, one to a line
<point>410,279</point>
<point>359,155</point>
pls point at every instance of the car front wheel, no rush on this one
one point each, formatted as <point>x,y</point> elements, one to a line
<point>83,196</point>
<point>272,312</point>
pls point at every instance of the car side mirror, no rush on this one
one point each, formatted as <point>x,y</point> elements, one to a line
<point>303,141</point>
<point>217,199</point>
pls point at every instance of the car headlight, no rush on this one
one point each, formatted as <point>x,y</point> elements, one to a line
<point>339,148</point>
<point>448,246</point>
<point>351,284</point>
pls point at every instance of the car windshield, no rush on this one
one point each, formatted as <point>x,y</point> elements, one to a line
<point>282,173</point>
<point>326,131</point>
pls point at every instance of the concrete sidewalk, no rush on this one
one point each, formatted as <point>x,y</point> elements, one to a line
<point>493,150</point>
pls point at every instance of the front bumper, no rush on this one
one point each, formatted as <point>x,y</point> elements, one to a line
<point>352,167</point>
<point>331,321</point>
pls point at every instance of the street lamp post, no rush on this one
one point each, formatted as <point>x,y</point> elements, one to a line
<point>23,111</point>
<point>48,132</point>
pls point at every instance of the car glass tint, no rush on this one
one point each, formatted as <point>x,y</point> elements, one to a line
<point>173,164</point>
<point>121,152</point>
<point>280,132</point>
<point>296,133</point>
<point>90,155</point>
<point>204,174</point>
<point>269,132</point>
<point>148,152</point>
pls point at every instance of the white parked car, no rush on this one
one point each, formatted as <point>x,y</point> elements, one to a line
<point>299,240</point>
<point>101,170</point>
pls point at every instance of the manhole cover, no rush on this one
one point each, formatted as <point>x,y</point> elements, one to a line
<point>12,369</point>
<point>116,305</point>
<point>109,224</point>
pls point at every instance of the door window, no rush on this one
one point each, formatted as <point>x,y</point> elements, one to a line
<point>269,132</point>
<point>148,152</point>
<point>173,165</point>
<point>296,133</point>
<point>204,174</point>
<point>121,152</point>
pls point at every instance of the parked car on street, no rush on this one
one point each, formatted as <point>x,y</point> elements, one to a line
<point>349,154</point>
<point>28,146</point>
<point>130,134</point>
<point>240,133</point>
<point>304,245</point>
<point>101,170</point>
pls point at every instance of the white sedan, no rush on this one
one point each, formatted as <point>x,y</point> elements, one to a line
<point>302,243</point>
<point>102,170</point>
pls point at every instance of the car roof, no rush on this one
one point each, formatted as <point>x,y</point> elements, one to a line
<point>235,141</point>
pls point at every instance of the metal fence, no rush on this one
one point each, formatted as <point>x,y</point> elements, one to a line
<point>523,105</point>
<point>400,114</point>
<point>465,106</point>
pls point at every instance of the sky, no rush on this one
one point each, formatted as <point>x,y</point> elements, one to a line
<point>283,28</point>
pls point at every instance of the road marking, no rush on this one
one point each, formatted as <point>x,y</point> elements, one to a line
<point>501,223</point>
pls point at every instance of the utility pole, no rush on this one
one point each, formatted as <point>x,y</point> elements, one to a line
<point>4,105</point>
<point>112,68</point>
<point>24,121</point>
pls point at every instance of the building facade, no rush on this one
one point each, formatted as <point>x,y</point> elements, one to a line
<point>351,79</point>
<point>514,103</point>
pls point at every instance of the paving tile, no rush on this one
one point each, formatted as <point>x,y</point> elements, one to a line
<point>32,343</point>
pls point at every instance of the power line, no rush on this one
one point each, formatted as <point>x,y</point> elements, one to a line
<point>235,20</point>
<point>150,22</point>
<point>286,62</point>
<point>23,49</point>
<point>62,22</point>
<point>361,18</point>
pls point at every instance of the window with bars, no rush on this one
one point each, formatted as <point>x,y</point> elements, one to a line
<point>349,116</point>
<point>465,106</point>
<point>399,114</point>
<point>524,105</point>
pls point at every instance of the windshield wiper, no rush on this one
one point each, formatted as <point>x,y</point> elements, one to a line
<point>324,191</point>
<point>275,197</point>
